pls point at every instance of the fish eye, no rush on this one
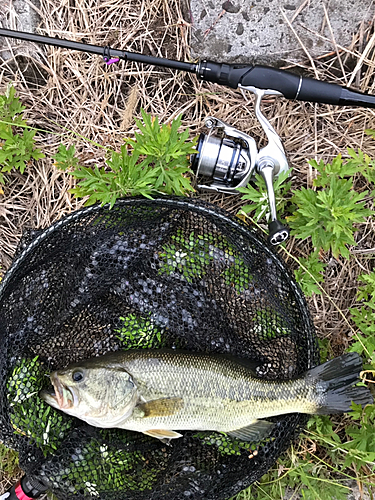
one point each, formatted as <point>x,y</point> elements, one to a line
<point>77,376</point>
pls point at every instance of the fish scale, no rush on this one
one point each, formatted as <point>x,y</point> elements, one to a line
<point>217,392</point>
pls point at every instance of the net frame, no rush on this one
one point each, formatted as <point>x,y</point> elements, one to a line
<point>234,472</point>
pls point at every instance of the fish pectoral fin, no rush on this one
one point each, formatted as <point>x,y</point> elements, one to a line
<point>162,434</point>
<point>255,431</point>
<point>160,407</point>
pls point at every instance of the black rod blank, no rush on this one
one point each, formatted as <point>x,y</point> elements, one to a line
<point>96,49</point>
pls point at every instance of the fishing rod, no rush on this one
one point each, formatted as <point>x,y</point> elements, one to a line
<point>234,76</point>
<point>227,158</point>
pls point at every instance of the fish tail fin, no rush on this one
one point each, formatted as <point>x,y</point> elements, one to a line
<point>335,384</point>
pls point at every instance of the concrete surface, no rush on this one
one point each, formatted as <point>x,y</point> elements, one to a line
<point>16,54</point>
<point>18,15</point>
<point>256,31</point>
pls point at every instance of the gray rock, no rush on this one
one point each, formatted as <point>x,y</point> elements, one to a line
<point>257,32</point>
<point>21,16</point>
<point>27,17</point>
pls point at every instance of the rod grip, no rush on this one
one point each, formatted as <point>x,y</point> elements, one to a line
<point>290,85</point>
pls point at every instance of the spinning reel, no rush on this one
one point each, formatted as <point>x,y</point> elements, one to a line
<point>227,159</point>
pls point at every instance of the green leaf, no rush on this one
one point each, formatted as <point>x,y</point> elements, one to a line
<point>364,317</point>
<point>310,274</point>
<point>259,196</point>
<point>328,216</point>
<point>65,158</point>
<point>155,162</point>
<point>357,164</point>
<point>17,150</point>
<point>322,425</point>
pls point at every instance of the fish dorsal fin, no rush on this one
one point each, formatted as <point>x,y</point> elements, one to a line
<point>255,431</point>
<point>162,434</point>
<point>159,407</point>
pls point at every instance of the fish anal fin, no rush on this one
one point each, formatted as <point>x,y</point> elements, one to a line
<point>162,434</point>
<point>255,431</point>
<point>160,407</point>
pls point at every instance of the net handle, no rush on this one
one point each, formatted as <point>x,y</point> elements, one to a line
<point>23,490</point>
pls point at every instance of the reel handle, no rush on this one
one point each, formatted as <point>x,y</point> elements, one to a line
<point>278,232</point>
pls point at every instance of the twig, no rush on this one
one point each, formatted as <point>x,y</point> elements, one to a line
<point>360,45</point>
<point>299,10</point>
<point>206,33</point>
<point>334,43</point>
<point>341,47</point>
<point>301,43</point>
<point>362,58</point>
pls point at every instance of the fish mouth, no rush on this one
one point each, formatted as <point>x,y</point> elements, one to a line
<point>60,396</point>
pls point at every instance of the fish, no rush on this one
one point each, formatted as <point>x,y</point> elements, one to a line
<point>163,392</point>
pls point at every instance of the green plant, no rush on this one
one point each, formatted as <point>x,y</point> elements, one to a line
<point>8,461</point>
<point>364,318</point>
<point>259,196</point>
<point>65,157</point>
<point>304,475</point>
<point>187,255</point>
<point>328,215</point>
<point>191,256</point>
<point>155,162</point>
<point>140,333</point>
<point>325,348</point>
<point>51,496</point>
<point>362,432</point>
<point>310,273</point>
<point>323,461</point>
<point>16,149</point>
<point>167,151</point>
<point>31,416</point>
<point>267,324</point>
<point>96,467</point>
<point>238,275</point>
<point>226,445</point>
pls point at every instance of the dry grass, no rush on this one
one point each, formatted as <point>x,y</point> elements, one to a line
<point>82,98</point>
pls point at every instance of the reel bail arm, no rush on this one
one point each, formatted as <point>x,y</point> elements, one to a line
<point>270,162</point>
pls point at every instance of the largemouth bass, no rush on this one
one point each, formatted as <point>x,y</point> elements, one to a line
<point>159,392</point>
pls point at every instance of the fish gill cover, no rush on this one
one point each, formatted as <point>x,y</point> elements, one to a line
<point>159,273</point>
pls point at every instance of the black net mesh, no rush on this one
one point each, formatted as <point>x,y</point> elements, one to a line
<point>162,273</point>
